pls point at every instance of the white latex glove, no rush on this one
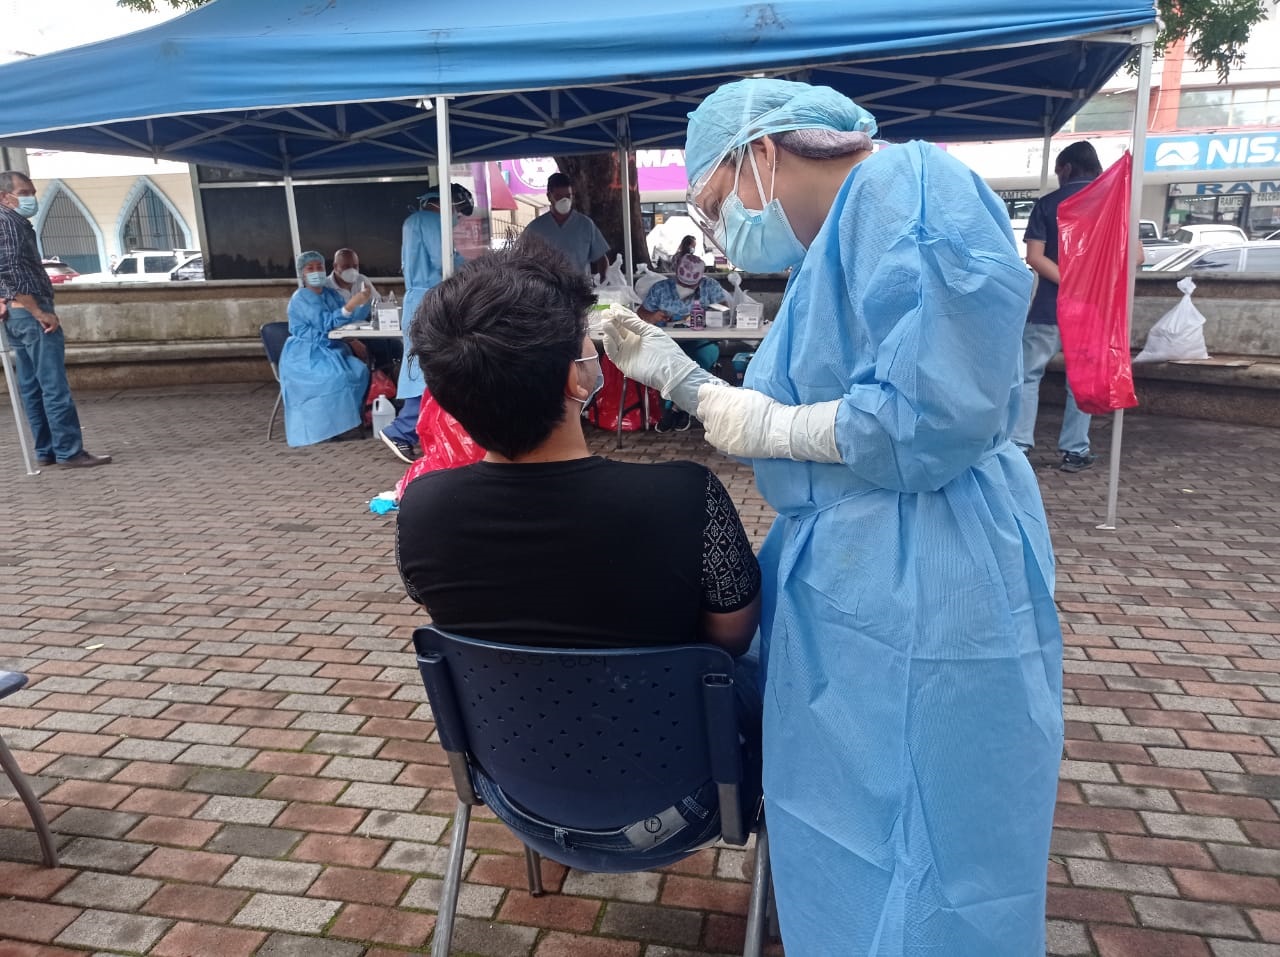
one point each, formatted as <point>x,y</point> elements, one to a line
<point>647,354</point>
<point>750,424</point>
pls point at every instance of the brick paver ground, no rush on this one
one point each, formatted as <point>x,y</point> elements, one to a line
<point>233,745</point>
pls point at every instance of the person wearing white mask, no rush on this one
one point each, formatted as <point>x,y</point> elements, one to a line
<point>34,331</point>
<point>573,233</point>
<point>347,278</point>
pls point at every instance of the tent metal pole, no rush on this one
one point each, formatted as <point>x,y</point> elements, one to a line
<point>1141,116</point>
<point>1044,153</point>
<point>294,236</point>
<point>446,186</point>
<point>624,170</point>
<point>11,377</point>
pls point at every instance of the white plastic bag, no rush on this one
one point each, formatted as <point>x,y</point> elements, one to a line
<point>616,284</point>
<point>1179,333</point>
<point>646,279</point>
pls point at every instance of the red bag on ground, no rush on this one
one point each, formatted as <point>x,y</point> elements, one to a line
<point>380,384</point>
<point>445,443</point>
<point>1093,298</point>
<point>603,412</point>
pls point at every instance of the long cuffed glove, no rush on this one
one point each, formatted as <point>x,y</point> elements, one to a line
<point>647,354</point>
<point>747,423</point>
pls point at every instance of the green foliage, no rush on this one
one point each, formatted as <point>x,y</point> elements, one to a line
<point>151,6</point>
<point>1215,30</point>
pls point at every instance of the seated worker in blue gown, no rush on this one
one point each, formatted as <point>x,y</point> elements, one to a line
<point>323,382</point>
<point>543,543</point>
<point>673,300</point>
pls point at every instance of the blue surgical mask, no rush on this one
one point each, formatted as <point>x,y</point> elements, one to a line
<point>28,206</point>
<point>599,379</point>
<point>757,240</point>
<point>314,279</point>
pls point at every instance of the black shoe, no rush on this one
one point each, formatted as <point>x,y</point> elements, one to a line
<point>668,421</point>
<point>1076,461</point>
<point>85,460</point>
<point>43,460</point>
<point>404,451</point>
<point>682,421</point>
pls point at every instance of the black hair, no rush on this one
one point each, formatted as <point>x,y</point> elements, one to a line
<point>557,180</point>
<point>1082,158</point>
<point>495,343</point>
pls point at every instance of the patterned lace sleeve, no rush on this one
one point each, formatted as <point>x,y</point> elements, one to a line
<point>730,573</point>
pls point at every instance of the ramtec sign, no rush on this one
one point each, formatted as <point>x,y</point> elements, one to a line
<point>1213,151</point>
<point>1253,187</point>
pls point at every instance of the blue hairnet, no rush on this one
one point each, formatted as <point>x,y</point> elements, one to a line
<point>309,256</point>
<point>745,110</point>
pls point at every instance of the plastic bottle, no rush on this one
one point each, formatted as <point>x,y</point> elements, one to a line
<point>697,315</point>
<point>384,413</point>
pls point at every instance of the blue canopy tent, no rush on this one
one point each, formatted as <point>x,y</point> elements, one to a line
<point>301,87</point>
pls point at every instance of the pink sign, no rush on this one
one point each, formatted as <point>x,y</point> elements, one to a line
<point>656,170</point>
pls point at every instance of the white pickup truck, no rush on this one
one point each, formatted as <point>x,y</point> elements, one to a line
<point>152,265</point>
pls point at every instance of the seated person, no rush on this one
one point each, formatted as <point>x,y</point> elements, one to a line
<point>672,300</point>
<point>323,383</point>
<point>501,550</point>
<point>346,280</point>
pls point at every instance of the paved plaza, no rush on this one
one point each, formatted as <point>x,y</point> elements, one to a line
<point>232,742</point>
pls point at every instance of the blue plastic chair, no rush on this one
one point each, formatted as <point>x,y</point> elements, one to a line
<point>590,739</point>
<point>273,336</point>
<point>11,681</point>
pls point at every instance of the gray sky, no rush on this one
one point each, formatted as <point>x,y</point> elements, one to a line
<point>40,26</point>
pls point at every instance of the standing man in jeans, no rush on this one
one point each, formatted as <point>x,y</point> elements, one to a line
<point>1076,167</point>
<point>32,327</point>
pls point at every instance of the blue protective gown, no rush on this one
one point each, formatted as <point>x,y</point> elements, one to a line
<point>420,261</point>
<point>324,385</point>
<point>913,718</point>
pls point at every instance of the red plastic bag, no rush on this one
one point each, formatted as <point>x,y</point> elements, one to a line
<point>445,443</point>
<point>380,384</point>
<point>603,412</point>
<point>1093,297</point>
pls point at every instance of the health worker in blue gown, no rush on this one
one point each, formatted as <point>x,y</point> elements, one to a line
<point>323,384</point>
<point>421,261</point>
<point>913,711</point>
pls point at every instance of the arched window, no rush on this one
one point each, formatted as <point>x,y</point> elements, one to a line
<point>151,221</point>
<point>66,230</point>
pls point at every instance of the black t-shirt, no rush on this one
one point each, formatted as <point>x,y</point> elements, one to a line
<point>1042,224</point>
<point>584,553</point>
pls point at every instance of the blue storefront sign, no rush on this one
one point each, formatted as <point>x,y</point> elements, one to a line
<point>1212,151</point>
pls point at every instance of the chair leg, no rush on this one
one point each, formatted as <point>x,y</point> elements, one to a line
<point>271,422</point>
<point>452,882</point>
<point>756,913</point>
<point>21,785</point>
<point>533,864</point>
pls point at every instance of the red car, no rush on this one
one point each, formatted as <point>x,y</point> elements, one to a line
<point>58,271</point>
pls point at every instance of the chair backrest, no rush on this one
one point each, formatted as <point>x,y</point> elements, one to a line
<point>586,738</point>
<point>274,335</point>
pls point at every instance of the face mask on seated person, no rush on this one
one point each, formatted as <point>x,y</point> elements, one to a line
<point>349,275</point>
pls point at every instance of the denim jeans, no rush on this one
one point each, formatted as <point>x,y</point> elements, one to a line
<point>696,816</point>
<point>40,363</point>
<point>1040,343</point>
<point>404,427</point>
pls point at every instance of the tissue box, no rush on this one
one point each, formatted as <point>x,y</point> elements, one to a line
<point>717,316</point>
<point>749,315</point>
<point>386,317</point>
<point>606,297</point>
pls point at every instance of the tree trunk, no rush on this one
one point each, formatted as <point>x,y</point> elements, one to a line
<point>597,192</point>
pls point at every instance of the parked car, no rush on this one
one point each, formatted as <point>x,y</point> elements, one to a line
<point>1209,234</point>
<point>1257,257</point>
<point>58,271</point>
<point>153,265</point>
<point>1275,235</point>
